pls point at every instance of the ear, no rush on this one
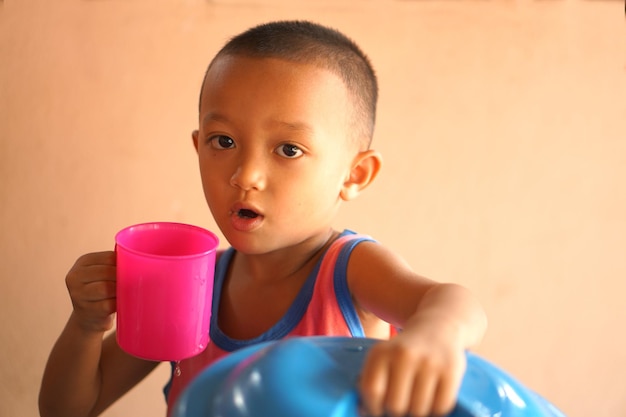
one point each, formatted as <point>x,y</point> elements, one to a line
<point>194,136</point>
<point>365,168</point>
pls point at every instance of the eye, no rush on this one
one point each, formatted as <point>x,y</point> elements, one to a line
<point>221,142</point>
<point>289,151</point>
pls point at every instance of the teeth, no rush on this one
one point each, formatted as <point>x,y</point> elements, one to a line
<point>247,214</point>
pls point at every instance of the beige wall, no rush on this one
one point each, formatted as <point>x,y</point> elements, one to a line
<point>502,124</point>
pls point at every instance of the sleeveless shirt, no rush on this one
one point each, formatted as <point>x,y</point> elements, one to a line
<point>323,307</point>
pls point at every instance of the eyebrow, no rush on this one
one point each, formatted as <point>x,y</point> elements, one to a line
<point>292,126</point>
<point>214,117</point>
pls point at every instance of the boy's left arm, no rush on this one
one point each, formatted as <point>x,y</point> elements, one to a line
<point>418,372</point>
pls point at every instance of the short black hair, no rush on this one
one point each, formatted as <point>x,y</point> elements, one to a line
<point>311,43</point>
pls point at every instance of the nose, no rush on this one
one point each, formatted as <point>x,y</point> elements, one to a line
<point>249,174</point>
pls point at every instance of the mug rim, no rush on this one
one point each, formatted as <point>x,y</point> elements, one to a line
<point>119,238</point>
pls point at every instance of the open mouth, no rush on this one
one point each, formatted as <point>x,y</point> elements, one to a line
<point>247,214</point>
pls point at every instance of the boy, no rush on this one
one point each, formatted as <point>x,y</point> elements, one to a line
<point>286,117</point>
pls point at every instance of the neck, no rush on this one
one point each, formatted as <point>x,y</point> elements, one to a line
<point>284,263</point>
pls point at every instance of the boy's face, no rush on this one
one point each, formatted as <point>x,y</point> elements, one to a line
<point>274,149</point>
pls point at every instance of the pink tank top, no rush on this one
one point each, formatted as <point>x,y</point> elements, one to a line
<point>323,307</point>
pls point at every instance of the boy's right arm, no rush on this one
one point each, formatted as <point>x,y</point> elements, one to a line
<point>86,373</point>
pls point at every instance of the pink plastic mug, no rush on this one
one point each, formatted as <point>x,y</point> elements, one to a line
<point>164,289</point>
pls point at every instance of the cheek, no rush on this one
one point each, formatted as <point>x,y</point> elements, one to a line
<point>315,192</point>
<point>330,178</point>
<point>212,181</point>
<point>211,169</point>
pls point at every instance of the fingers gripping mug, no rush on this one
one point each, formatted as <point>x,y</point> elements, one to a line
<point>164,289</point>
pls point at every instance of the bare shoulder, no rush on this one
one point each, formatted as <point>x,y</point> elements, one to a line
<point>383,283</point>
<point>372,262</point>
